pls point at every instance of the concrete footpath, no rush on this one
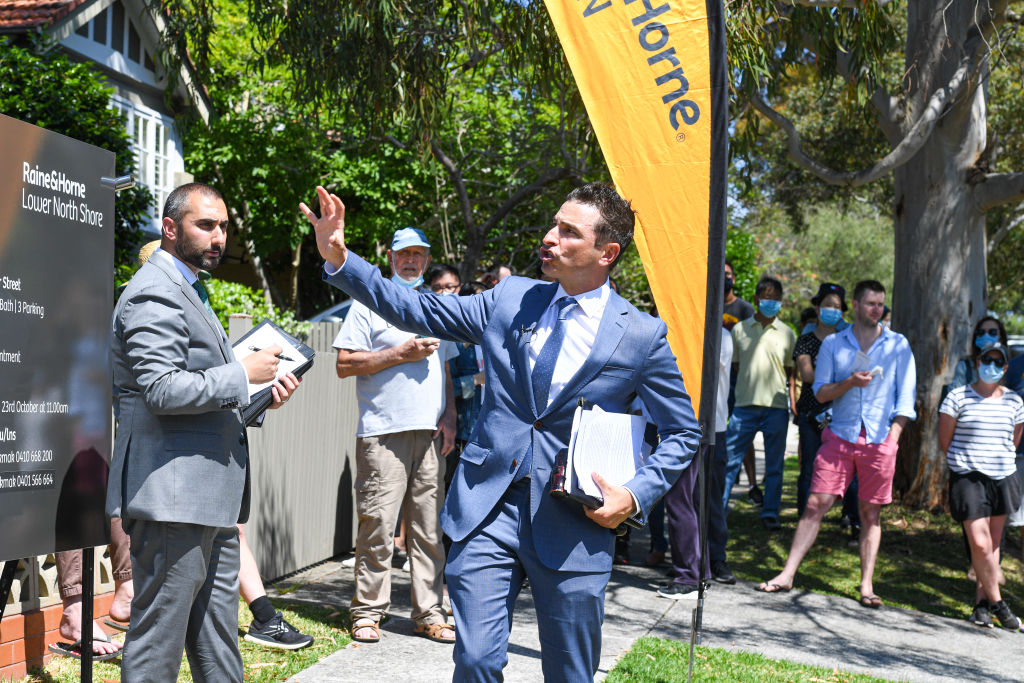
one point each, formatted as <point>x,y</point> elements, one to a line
<point>803,627</point>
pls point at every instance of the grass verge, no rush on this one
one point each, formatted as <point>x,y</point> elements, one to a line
<point>653,660</point>
<point>328,625</point>
<point>922,561</point>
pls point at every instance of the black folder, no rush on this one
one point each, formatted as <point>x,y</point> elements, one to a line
<point>297,365</point>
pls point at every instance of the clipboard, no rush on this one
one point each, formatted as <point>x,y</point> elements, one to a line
<point>632,440</point>
<point>296,358</point>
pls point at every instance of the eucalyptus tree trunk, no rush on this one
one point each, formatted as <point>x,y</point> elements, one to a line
<point>940,282</point>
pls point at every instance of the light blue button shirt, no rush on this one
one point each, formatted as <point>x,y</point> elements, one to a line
<point>887,396</point>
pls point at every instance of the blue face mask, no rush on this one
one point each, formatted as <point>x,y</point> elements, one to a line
<point>407,283</point>
<point>983,340</point>
<point>769,307</point>
<point>990,373</point>
<point>830,316</point>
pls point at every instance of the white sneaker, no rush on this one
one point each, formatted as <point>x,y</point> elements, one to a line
<point>349,562</point>
<point>405,567</point>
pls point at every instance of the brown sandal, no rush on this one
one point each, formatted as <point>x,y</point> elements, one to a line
<point>435,632</point>
<point>366,623</point>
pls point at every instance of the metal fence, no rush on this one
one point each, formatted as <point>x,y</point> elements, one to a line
<point>303,465</point>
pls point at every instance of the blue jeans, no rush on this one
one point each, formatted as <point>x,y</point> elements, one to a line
<point>810,442</point>
<point>747,421</point>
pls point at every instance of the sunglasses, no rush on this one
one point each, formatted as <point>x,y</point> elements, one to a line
<point>989,360</point>
<point>994,331</point>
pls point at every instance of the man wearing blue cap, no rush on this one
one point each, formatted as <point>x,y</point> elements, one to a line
<point>406,403</point>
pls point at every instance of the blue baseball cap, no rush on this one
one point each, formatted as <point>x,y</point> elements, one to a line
<point>408,237</point>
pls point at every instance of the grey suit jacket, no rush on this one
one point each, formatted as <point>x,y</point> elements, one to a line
<point>180,454</point>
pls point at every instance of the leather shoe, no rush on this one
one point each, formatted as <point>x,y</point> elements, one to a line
<point>720,573</point>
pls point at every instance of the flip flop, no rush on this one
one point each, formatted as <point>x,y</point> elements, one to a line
<point>118,625</point>
<point>773,588</point>
<point>871,601</point>
<point>74,650</point>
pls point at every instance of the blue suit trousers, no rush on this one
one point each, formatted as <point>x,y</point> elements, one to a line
<point>485,572</point>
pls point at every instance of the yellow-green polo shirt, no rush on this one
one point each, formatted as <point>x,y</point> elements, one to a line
<point>763,353</point>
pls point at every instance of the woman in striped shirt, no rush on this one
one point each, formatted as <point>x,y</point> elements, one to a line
<point>979,428</point>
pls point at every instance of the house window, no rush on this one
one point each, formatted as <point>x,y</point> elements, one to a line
<point>157,151</point>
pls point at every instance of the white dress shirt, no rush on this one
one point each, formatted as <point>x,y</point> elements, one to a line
<point>581,323</point>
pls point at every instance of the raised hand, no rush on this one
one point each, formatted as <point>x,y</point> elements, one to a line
<point>418,348</point>
<point>329,227</point>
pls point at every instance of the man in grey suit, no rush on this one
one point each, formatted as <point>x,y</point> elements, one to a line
<point>179,478</point>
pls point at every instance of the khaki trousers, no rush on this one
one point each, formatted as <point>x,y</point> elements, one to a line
<point>399,472</point>
<point>69,562</point>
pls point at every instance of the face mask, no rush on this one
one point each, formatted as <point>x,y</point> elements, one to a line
<point>829,316</point>
<point>769,307</point>
<point>990,373</point>
<point>407,283</point>
<point>984,340</point>
<point>728,284</point>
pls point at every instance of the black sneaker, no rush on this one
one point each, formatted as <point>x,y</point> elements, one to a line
<point>278,633</point>
<point>770,523</point>
<point>981,616</point>
<point>1002,612</point>
<point>678,591</point>
<point>755,496</point>
<point>720,573</point>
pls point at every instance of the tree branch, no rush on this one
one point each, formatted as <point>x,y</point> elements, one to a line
<point>847,4</point>
<point>887,106</point>
<point>455,174</point>
<point>999,188</point>
<point>1003,231</point>
<point>911,143</point>
<point>523,193</point>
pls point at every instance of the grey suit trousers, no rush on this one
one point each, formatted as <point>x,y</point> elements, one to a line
<point>186,598</point>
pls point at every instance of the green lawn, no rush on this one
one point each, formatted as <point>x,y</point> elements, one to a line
<point>921,563</point>
<point>653,660</point>
<point>330,627</point>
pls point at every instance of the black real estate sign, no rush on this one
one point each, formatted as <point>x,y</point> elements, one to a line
<point>56,294</point>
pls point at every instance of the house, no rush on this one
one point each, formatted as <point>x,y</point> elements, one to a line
<point>121,38</point>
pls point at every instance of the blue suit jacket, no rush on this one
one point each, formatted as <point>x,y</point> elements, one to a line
<point>630,357</point>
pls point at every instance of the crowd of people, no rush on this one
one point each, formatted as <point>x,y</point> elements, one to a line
<point>466,393</point>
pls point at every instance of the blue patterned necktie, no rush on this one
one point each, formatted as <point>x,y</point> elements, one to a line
<point>544,368</point>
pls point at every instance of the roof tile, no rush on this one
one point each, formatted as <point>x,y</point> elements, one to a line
<point>26,14</point>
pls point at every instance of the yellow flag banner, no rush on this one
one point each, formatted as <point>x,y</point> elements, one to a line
<point>652,77</point>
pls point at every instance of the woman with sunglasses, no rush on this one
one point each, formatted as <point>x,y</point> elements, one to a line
<point>979,429</point>
<point>987,331</point>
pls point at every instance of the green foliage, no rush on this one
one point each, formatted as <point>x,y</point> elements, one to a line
<point>835,246</point>
<point>230,298</point>
<point>742,252</point>
<point>40,85</point>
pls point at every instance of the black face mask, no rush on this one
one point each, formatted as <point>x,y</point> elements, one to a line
<point>728,285</point>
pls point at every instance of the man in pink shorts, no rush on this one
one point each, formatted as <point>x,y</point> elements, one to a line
<point>867,372</point>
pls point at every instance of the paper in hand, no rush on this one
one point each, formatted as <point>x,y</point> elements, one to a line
<point>263,337</point>
<point>603,445</point>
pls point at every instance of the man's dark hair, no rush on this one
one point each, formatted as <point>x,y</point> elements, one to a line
<point>865,286</point>
<point>617,216</point>
<point>807,315</point>
<point>729,263</point>
<point>437,270</point>
<point>766,284</point>
<point>178,200</point>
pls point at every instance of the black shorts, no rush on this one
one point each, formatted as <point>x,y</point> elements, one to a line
<point>975,495</point>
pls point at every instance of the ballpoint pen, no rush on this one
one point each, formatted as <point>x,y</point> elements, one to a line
<point>280,356</point>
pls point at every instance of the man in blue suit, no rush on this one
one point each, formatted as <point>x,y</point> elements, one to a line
<point>545,345</point>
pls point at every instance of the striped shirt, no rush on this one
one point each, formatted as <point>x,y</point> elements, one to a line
<point>983,438</point>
